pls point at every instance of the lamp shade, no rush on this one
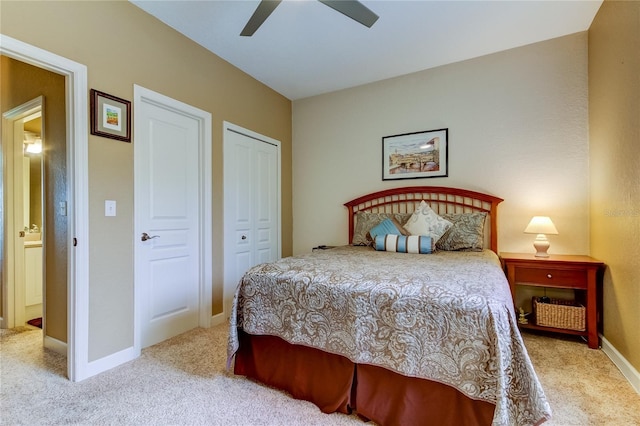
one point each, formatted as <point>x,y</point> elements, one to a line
<point>541,225</point>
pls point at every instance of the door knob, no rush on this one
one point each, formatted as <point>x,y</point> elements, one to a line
<point>244,237</point>
<point>146,236</point>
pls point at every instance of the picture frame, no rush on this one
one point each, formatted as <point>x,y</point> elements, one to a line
<point>416,155</point>
<point>110,116</point>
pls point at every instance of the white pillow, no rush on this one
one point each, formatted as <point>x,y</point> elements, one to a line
<point>425,221</point>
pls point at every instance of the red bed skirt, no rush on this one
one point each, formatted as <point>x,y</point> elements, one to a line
<point>335,384</point>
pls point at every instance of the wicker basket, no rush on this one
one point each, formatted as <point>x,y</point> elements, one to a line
<point>566,314</point>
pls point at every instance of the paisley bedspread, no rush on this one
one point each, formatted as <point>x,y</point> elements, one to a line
<point>446,317</point>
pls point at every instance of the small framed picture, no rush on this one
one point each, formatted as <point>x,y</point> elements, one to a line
<point>415,155</point>
<point>110,116</point>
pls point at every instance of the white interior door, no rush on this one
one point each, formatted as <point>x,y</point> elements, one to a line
<point>252,204</point>
<point>169,221</point>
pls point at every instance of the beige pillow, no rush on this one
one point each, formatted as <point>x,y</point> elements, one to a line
<point>467,232</point>
<point>425,221</point>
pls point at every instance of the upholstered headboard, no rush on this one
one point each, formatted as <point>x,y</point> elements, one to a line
<point>441,200</point>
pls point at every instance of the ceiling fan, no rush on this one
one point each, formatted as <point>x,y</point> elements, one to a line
<point>351,8</point>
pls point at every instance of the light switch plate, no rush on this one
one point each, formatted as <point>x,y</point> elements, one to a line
<point>109,207</point>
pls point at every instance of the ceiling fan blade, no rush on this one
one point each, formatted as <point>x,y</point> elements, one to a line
<point>354,10</point>
<point>261,13</point>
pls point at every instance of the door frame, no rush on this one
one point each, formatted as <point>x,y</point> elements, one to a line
<point>12,311</point>
<point>75,74</point>
<point>141,96</point>
<point>228,234</point>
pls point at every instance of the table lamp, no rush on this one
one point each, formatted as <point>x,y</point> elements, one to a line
<point>542,226</point>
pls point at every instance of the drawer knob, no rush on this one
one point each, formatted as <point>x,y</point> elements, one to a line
<point>549,276</point>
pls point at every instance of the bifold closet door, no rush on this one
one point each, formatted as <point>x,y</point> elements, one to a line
<point>251,207</point>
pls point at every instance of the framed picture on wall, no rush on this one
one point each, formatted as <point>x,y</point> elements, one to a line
<point>415,155</point>
<point>110,116</point>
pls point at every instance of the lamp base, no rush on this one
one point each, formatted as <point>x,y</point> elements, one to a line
<point>541,245</point>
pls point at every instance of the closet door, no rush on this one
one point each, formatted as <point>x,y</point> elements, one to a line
<point>252,205</point>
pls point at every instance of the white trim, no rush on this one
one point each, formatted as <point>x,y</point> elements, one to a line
<point>625,367</point>
<point>206,219</point>
<point>77,193</point>
<point>111,361</point>
<point>55,345</point>
<point>141,95</point>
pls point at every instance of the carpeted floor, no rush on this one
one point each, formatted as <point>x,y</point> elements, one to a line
<point>183,382</point>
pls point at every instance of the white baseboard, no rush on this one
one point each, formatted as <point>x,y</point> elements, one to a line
<point>111,361</point>
<point>627,370</point>
<point>218,319</point>
<point>55,345</point>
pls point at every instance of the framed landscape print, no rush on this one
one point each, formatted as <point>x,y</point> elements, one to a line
<point>110,116</point>
<point>415,155</point>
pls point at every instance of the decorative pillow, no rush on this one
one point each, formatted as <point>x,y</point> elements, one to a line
<point>404,244</point>
<point>387,226</point>
<point>365,221</point>
<point>425,221</point>
<point>467,232</point>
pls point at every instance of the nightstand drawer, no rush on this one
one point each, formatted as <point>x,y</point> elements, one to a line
<point>574,278</point>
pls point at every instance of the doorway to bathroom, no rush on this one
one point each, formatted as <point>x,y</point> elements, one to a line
<point>67,292</point>
<point>24,214</point>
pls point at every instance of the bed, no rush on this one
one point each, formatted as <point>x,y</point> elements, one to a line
<point>399,338</point>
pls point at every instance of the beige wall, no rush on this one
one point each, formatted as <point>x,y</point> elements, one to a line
<point>122,46</point>
<point>614,122</point>
<point>517,129</point>
<point>21,83</point>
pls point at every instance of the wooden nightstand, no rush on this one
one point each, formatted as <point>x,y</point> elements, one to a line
<point>580,273</point>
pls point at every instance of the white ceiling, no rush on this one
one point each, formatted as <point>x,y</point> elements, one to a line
<point>306,48</point>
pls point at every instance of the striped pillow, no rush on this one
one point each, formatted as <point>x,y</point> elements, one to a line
<point>404,244</point>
